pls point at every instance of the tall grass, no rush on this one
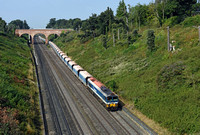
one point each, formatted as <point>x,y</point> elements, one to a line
<point>17,92</point>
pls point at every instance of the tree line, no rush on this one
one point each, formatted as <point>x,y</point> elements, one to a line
<point>129,17</point>
<point>12,26</point>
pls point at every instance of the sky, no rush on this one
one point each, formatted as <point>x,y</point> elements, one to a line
<point>37,13</point>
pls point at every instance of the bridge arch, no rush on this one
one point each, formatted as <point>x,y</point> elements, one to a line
<point>26,36</point>
<point>52,36</point>
<point>39,34</point>
<point>46,32</point>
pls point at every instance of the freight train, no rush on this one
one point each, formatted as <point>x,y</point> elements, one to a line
<point>108,98</point>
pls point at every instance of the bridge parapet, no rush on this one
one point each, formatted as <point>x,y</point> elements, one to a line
<point>46,32</point>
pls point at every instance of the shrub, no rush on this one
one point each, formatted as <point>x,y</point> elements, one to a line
<point>8,122</point>
<point>136,34</point>
<point>104,41</point>
<point>170,76</point>
<point>172,21</point>
<point>133,38</point>
<point>151,40</point>
<point>113,85</point>
<point>16,92</point>
<point>191,21</point>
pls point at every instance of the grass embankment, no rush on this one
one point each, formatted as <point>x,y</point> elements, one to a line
<point>164,86</point>
<point>19,103</point>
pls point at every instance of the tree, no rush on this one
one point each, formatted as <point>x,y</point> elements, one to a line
<point>121,10</point>
<point>105,20</point>
<point>140,14</point>
<point>179,8</point>
<point>122,14</point>
<point>151,40</point>
<point>85,25</point>
<point>105,41</point>
<point>77,24</point>
<point>2,25</point>
<point>17,24</point>
<point>25,25</point>
<point>51,23</point>
<point>93,22</point>
<point>196,8</point>
<point>165,9</point>
<point>160,9</point>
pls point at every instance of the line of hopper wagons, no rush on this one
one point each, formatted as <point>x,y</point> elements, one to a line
<point>108,98</point>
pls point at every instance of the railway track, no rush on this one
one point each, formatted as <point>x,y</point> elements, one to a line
<point>60,123</point>
<point>95,122</point>
<point>72,105</point>
<point>112,122</point>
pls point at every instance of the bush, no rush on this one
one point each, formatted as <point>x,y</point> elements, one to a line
<point>113,85</point>
<point>151,40</point>
<point>8,122</point>
<point>135,33</point>
<point>16,91</point>
<point>52,37</point>
<point>191,21</point>
<point>170,76</point>
<point>134,37</point>
<point>172,21</point>
<point>105,41</point>
<point>83,38</point>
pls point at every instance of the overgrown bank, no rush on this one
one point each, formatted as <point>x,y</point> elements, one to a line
<point>162,85</point>
<point>19,103</point>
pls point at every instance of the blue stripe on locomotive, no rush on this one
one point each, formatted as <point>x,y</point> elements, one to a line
<point>97,91</point>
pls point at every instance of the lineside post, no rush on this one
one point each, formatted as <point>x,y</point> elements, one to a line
<point>168,38</point>
<point>199,33</point>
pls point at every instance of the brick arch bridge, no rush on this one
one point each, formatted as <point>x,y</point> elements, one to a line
<point>46,32</point>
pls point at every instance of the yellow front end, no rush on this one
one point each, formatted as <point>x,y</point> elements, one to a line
<point>112,106</point>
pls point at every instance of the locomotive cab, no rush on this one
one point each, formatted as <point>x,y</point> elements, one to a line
<point>109,99</point>
<point>115,98</point>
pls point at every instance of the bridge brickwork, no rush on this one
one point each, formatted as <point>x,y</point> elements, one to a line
<point>46,32</point>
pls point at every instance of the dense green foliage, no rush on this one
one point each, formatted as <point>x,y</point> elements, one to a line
<point>19,24</point>
<point>2,25</point>
<point>192,21</point>
<point>151,40</point>
<point>16,24</point>
<point>121,10</point>
<point>180,8</point>
<point>62,23</point>
<point>12,26</point>
<point>154,14</point>
<point>163,85</point>
<point>19,105</point>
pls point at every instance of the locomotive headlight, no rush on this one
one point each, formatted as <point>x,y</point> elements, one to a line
<point>112,105</point>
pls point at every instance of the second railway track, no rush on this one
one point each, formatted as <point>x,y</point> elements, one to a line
<point>81,112</point>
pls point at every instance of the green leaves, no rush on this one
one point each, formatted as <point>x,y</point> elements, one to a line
<point>121,10</point>
<point>151,40</point>
<point>171,76</point>
<point>15,89</point>
<point>2,25</point>
<point>104,41</point>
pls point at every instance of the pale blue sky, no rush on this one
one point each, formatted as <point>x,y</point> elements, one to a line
<point>37,13</point>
